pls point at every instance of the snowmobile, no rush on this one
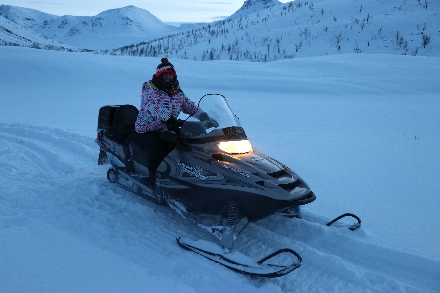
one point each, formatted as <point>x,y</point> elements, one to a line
<point>212,177</point>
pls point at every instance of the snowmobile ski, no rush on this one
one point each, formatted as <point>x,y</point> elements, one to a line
<point>295,213</point>
<point>352,227</point>
<point>239,262</point>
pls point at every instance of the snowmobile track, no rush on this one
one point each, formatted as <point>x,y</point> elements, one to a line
<point>349,252</point>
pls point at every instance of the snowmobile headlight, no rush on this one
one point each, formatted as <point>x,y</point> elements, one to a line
<point>235,146</point>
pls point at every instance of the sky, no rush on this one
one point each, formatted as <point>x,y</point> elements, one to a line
<point>166,10</point>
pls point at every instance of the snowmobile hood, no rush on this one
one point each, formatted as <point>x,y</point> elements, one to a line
<point>225,149</point>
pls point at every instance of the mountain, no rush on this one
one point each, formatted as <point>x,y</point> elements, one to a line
<point>12,34</point>
<point>304,29</point>
<point>109,29</point>
<point>260,31</point>
<point>251,6</point>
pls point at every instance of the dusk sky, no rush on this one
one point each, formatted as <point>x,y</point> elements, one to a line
<point>165,10</point>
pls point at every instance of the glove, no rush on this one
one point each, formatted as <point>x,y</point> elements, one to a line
<point>211,122</point>
<point>173,125</point>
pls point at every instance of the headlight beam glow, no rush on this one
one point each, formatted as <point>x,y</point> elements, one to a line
<point>235,146</point>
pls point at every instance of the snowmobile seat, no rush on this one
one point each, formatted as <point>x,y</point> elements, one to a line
<point>120,121</point>
<point>117,123</point>
<point>125,118</point>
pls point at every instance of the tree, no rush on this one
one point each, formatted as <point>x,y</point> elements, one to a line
<point>425,40</point>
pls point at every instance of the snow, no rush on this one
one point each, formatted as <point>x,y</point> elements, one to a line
<point>362,130</point>
<point>12,34</point>
<point>261,31</point>
<point>252,6</point>
<point>109,29</point>
<point>306,29</point>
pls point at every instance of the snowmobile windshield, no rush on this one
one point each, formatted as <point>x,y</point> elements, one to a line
<point>222,123</point>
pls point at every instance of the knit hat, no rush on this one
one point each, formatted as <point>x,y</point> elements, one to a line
<point>165,66</point>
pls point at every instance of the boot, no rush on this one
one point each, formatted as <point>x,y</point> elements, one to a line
<point>150,181</point>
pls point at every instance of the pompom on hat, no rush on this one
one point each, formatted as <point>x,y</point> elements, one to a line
<point>165,66</point>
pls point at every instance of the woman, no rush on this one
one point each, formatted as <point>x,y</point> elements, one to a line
<point>162,102</point>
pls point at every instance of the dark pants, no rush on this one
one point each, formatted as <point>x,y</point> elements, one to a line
<point>149,150</point>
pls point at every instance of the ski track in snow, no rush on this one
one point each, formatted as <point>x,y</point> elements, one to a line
<point>50,176</point>
<point>363,266</point>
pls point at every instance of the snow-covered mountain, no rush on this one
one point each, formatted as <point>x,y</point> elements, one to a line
<point>12,34</point>
<point>252,6</point>
<point>261,30</point>
<point>109,29</point>
<point>308,28</point>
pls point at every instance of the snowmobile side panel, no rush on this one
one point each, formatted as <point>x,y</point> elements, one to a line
<point>205,200</point>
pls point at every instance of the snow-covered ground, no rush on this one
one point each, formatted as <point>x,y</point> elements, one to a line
<point>362,130</point>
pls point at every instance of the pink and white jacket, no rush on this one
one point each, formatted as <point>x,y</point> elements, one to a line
<point>157,107</point>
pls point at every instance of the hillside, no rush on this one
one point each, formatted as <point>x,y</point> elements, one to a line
<point>12,34</point>
<point>108,29</point>
<point>307,28</point>
<point>261,30</point>
<point>252,6</point>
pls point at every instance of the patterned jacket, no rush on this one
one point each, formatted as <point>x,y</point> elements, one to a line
<point>157,107</point>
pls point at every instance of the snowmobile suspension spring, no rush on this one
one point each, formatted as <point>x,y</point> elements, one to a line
<point>232,214</point>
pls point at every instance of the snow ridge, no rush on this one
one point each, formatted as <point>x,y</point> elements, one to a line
<point>260,31</point>
<point>305,29</point>
<point>12,34</point>
<point>251,6</point>
<point>108,29</point>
